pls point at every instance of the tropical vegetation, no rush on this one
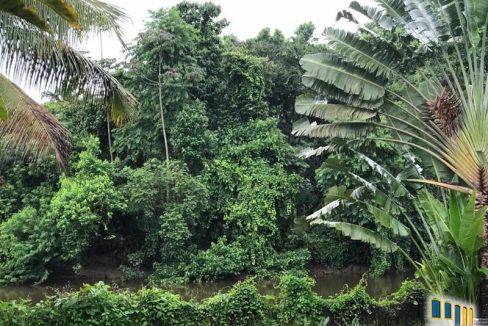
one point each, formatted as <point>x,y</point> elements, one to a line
<point>434,109</point>
<point>191,161</point>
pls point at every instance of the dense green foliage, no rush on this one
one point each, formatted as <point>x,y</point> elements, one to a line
<point>243,305</point>
<point>230,197</point>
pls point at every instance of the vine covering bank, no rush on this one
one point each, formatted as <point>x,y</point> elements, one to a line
<point>296,304</point>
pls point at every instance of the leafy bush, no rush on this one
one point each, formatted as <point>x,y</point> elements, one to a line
<point>218,261</point>
<point>242,306</point>
<point>64,226</point>
<point>165,202</point>
<point>291,261</point>
<point>298,303</point>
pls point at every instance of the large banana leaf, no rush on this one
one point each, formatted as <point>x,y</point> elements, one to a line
<point>470,236</point>
<point>356,232</point>
<point>343,75</point>
<point>332,112</point>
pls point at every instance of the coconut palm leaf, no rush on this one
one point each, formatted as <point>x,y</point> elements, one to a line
<point>30,128</point>
<point>40,60</point>
<point>29,14</point>
<point>46,60</point>
<point>93,16</point>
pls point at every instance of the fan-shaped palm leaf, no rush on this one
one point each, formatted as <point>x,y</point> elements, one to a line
<point>445,116</point>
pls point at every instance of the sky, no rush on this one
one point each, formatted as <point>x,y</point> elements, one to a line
<point>246,19</point>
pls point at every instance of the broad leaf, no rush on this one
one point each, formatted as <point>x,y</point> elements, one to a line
<point>344,76</point>
<point>332,112</point>
<point>3,111</point>
<point>353,129</point>
<point>381,60</point>
<point>356,232</point>
<point>388,221</point>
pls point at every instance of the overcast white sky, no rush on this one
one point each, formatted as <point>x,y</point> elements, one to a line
<point>246,19</point>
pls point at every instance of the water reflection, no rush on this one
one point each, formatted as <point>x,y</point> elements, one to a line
<point>326,285</point>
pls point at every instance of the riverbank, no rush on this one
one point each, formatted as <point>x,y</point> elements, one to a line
<point>243,304</point>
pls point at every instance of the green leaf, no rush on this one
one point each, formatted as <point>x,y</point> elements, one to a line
<point>388,221</point>
<point>471,230</point>
<point>356,232</point>
<point>336,94</point>
<point>398,189</point>
<point>3,111</point>
<point>343,75</point>
<point>483,270</point>
<point>332,112</point>
<point>352,129</point>
<point>451,264</point>
<point>436,212</point>
<point>455,213</point>
<point>380,61</point>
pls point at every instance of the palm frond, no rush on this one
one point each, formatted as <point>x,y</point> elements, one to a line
<point>30,129</point>
<point>27,13</point>
<point>93,16</point>
<point>40,60</point>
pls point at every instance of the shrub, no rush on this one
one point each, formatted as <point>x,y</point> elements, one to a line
<point>64,226</point>
<point>298,303</point>
<point>242,306</point>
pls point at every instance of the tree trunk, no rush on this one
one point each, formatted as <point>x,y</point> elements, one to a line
<point>161,109</point>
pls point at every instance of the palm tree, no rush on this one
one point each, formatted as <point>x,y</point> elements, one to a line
<point>35,38</point>
<point>441,113</point>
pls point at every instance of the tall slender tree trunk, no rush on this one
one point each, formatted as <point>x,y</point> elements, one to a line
<point>109,138</point>
<point>161,109</point>
<point>109,132</point>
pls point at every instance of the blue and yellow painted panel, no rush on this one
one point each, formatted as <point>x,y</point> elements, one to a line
<point>448,311</point>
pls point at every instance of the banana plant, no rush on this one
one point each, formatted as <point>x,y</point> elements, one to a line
<point>439,111</point>
<point>447,236</point>
<point>36,49</point>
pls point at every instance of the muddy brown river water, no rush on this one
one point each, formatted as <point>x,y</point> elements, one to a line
<point>327,284</point>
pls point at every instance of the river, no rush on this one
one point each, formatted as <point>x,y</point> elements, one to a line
<point>327,284</point>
